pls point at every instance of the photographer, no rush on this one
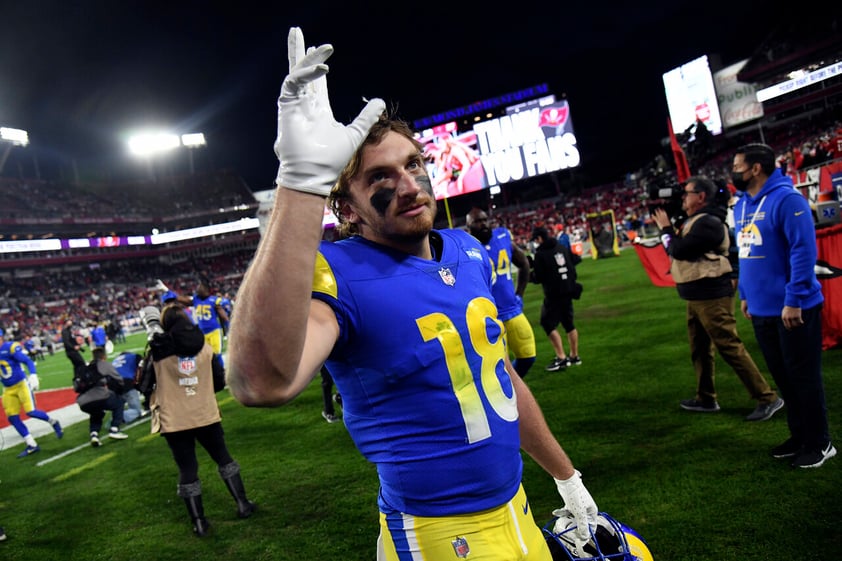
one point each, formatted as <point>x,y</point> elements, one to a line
<point>104,396</point>
<point>184,408</point>
<point>701,269</point>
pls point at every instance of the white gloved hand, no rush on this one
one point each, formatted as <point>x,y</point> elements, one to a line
<point>311,146</point>
<point>34,382</point>
<point>579,502</point>
<point>161,286</point>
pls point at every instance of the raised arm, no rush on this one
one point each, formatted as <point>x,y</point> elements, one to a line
<point>279,337</point>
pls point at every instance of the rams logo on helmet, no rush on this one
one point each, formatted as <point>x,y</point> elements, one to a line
<point>611,541</point>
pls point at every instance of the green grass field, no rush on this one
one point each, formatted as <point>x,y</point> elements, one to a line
<point>697,487</point>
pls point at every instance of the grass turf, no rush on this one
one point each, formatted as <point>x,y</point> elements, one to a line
<point>695,486</point>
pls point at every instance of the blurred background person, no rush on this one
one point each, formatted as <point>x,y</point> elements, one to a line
<point>208,313</point>
<point>554,268</point>
<point>328,398</point>
<point>102,397</point>
<point>18,393</point>
<point>504,253</point>
<point>127,364</point>
<point>72,346</point>
<point>98,336</point>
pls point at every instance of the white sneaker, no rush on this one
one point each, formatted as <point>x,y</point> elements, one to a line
<point>95,439</point>
<point>116,434</point>
<point>330,418</point>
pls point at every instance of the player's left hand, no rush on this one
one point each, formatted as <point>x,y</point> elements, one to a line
<point>579,502</point>
<point>312,147</point>
<point>34,382</point>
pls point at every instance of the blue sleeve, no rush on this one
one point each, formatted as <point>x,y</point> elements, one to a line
<point>22,357</point>
<point>797,220</point>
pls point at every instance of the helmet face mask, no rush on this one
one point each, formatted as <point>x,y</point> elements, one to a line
<point>611,541</point>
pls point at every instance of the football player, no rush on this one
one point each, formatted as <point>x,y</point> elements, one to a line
<point>208,313</point>
<point>18,396</point>
<point>404,318</point>
<point>520,339</point>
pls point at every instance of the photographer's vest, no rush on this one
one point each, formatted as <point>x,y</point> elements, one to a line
<point>713,264</point>
<point>184,398</point>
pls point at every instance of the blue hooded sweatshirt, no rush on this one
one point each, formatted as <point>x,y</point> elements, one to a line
<point>778,270</point>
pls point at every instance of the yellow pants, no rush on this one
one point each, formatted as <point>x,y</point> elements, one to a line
<point>214,339</point>
<point>520,338</point>
<point>505,533</point>
<point>17,399</point>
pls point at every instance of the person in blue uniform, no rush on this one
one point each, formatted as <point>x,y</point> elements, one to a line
<point>208,313</point>
<point>18,394</point>
<point>504,254</point>
<point>98,335</point>
<point>127,363</point>
<point>404,318</point>
<point>227,305</point>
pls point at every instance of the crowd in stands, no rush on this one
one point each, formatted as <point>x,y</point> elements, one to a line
<point>34,205</point>
<point>111,292</point>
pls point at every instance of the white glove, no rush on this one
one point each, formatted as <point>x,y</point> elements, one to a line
<point>34,382</point>
<point>311,146</point>
<point>579,502</point>
<point>161,286</point>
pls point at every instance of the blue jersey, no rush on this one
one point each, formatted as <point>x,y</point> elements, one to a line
<point>499,249</point>
<point>227,305</point>
<point>126,364</point>
<point>412,327</point>
<point>205,314</point>
<point>12,360</point>
<point>98,336</point>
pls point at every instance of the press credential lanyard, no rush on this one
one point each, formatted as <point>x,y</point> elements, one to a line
<point>746,238</point>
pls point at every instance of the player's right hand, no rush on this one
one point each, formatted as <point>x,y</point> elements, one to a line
<point>312,147</point>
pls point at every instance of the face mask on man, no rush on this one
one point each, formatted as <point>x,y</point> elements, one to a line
<point>738,181</point>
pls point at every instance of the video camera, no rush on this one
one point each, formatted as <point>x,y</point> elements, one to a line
<point>150,316</point>
<point>663,191</point>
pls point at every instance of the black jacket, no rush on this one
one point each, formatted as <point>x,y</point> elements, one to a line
<point>554,268</point>
<point>67,338</point>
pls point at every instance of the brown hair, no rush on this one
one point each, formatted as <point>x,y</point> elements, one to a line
<point>340,193</point>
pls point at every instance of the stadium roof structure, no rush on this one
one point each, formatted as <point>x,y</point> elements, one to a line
<point>803,56</point>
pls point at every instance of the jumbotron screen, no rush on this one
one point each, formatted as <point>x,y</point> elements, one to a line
<point>531,139</point>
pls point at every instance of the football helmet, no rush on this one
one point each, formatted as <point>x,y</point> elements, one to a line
<point>611,541</point>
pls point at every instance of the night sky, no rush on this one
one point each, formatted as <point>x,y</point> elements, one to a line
<point>79,75</point>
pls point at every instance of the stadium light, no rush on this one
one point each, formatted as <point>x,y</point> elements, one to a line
<point>192,141</point>
<point>149,144</point>
<point>16,137</point>
<point>11,137</point>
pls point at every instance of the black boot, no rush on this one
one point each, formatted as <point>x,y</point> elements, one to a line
<point>192,495</point>
<point>230,474</point>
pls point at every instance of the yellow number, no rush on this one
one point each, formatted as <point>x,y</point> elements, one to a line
<point>203,311</point>
<point>439,327</point>
<point>504,264</point>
